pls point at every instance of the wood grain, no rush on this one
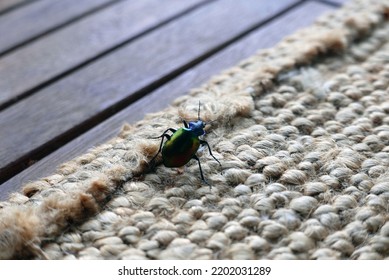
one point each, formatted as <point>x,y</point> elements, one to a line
<point>54,54</point>
<point>29,21</point>
<point>66,108</point>
<point>263,37</point>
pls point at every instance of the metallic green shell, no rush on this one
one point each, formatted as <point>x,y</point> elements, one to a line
<point>181,147</point>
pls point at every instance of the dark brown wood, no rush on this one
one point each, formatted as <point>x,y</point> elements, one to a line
<point>54,54</point>
<point>7,4</point>
<point>31,20</point>
<point>66,108</point>
<point>264,37</point>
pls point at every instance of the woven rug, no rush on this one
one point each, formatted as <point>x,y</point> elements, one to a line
<point>302,133</point>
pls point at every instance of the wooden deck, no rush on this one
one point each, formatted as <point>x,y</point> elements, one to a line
<point>72,72</point>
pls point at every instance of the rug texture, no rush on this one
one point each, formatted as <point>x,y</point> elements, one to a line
<point>302,133</point>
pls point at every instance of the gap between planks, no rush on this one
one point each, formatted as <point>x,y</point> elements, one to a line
<point>32,22</point>
<point>7,6</point>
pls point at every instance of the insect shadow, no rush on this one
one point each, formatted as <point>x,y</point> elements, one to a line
<point>182,145</point>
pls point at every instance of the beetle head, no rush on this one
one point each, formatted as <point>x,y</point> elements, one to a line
<point>197,127</point>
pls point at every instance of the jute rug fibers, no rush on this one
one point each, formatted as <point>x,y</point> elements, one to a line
<point>302,133</point>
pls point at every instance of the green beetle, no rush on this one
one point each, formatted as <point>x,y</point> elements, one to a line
<point>182,146</point>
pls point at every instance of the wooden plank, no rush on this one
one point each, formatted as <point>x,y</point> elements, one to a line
<point>9,4</point>
<point>65,109</point>
<point>263,37</point>
<point>56,53</point>
<point>29,21</point>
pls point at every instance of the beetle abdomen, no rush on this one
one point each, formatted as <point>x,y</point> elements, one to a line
<point>180,148</point>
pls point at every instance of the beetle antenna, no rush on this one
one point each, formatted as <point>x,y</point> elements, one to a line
<point>215,120</point>
<point>199,111</point>
<point>211,122</point>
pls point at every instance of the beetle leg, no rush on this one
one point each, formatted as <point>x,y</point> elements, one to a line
<point>152,161</point>
<point>164,134</point>
<point>202,142</point>
<point>201,171</point>
<point>185,123</point>
<point>160,146</point>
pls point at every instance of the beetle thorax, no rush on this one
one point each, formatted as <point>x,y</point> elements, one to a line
<point>197,127</point>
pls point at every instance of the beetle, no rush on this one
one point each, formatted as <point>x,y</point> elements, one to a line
<point>182,145</point>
